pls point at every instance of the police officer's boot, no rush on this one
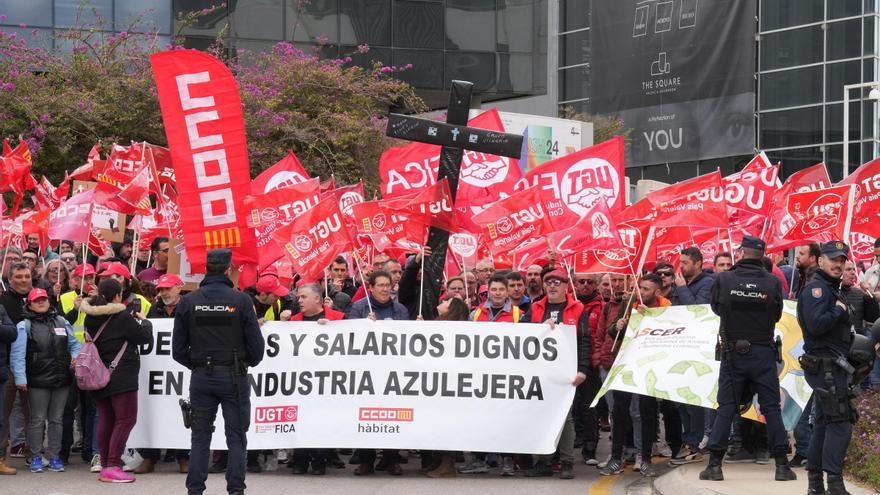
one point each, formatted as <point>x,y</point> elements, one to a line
<point>835,485</point>
<point>713,470</point>
<point>817,483</point>
<point>783,470</point>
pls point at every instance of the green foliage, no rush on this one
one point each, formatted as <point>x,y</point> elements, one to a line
<point>101,89</point>
<point>863,456</point>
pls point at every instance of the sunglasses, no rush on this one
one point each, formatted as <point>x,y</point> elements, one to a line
<point>555,282</point>
<point>664,274</point>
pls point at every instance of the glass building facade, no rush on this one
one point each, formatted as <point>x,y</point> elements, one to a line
<point>500,45</point>
<point>807,50</point>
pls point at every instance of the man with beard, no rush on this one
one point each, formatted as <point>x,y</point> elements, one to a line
<point>666,272</point>
<point>586,424</point>
<point>825,319</point>
<point>649,292</point>
<point>692,286</point>
<point>605,287</point>
<point>807,262</point>
<point>159,248</point>
<point>271,299</point>
<point>534,284</point>
<point>169,287</point>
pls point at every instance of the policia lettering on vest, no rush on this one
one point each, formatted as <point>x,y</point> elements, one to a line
<point>749,301</point>
<point>216,335</point>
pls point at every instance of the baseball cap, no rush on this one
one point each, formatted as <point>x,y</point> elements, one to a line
<point>835,249</point>
<point>752,242</point>
<point>220,257</point>
<point>84,270</point>
<point>558,275</point>
<point>168,280</point>
<point>115,268</point>
<point>270,283</point>
<point>36,293</point>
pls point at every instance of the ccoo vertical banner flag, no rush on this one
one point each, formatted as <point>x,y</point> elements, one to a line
<point>201,110</point>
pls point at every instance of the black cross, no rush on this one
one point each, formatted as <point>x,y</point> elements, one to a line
<point>454,136</point>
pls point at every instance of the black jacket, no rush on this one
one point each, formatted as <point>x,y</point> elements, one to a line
<point>8,334</point>
<point>408,288</point>
<point>122,327</point>
<point>749,301</point>
<point>216,288</point>
<point>14,304</point>
<point>157,310</point>
<point>825,324</point>
<point>47,356</point>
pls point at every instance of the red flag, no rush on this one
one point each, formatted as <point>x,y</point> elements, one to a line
<point>327,187</point>
<point>87,171</point>
<point>348,196</point>
<point>433,206</point>
<point>866,211</point>
<point>531,252</point>
<point>823,215</point>
<point>377,217</point>
<point>119,191</point>
<point>570,185</point>
<point>205,127</point>
<point>269,212</point>
<point>751,190</point>
<point>128,160</point>
<point>595,230</point>
<point>37,222</point>
<point>159,159</point>
<point>48,197</point>
<point>711,242</point>
<point>780,221</point>
<point>697,202</point>
<point>312,240</point>
<point>509,222</point>
<point>668,243</point>
<point>72,220</point>
<point>287,172</point>
<point>466,248</point>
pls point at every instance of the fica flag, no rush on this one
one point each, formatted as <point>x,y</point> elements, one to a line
<point>204,124</point>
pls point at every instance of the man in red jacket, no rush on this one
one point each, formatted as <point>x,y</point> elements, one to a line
<point>560,307</point>
<point>312,307</point>
<point>498,306</point>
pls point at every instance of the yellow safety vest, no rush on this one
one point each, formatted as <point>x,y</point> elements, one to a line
<point>67,304</point>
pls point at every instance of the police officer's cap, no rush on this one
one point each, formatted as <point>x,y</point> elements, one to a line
<point>752,242</point>
<point>220,257</point>
<point>835,249</point>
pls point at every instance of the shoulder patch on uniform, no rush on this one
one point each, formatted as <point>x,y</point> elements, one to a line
<point>817,292</point>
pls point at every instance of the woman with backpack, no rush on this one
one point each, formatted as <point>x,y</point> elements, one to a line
<point>41,359</point>
<point>117,332</point>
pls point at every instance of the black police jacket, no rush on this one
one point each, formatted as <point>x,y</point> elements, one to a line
<point>749,301</point>
<point>214,321</point>
<point>826,326</point>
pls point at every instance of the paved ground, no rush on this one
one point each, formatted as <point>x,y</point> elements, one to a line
<point>77,480</point>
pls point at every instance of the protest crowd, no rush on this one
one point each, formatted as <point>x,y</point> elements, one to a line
<point>307,250</point>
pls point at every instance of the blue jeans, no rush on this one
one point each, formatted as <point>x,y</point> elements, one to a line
<point>692,424</point>
<point>206,393</point>
<point>875,374</point>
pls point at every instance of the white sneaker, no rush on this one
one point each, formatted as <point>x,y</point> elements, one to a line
<point>638,464</point>
<point>281,456</point>
<point>96,464</point>
<point>604,463</point>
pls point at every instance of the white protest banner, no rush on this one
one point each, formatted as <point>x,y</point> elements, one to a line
<point>669,353</point>
<point>434,385</point>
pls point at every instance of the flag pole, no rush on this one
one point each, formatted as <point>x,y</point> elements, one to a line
<point>82,278</point>
<point>3,264</point>
<point>422,285</point>
<point>357,259</point>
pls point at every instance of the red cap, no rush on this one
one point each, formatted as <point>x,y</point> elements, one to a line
<point>36,293</point>
<point>116,268</point>
<point>84,270</point>
<point>557,274</point>
<point>168,280</point>
<point>270,283</point>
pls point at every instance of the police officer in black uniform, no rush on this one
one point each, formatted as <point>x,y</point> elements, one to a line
<point>217,336</point>
<point>749,301</point>
<point>825,319</point>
